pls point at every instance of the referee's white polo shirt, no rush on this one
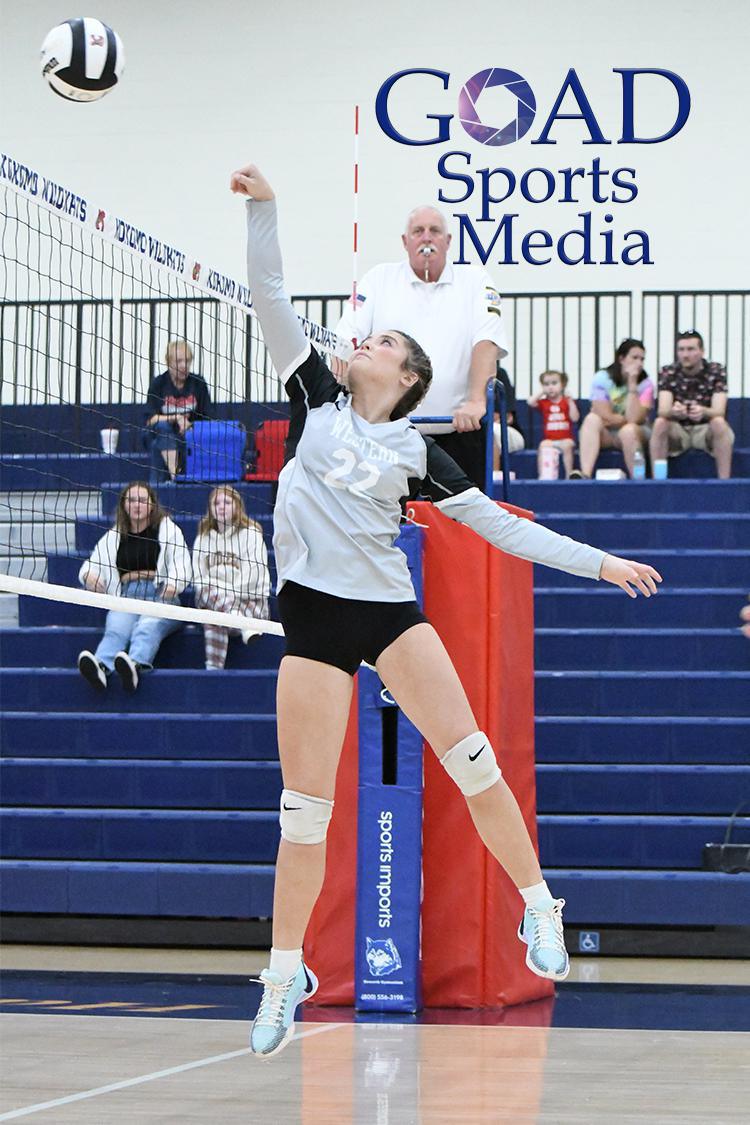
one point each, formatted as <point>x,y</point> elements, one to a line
<point>446,317</point>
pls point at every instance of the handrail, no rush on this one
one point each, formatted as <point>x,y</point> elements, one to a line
<point>495,397</point>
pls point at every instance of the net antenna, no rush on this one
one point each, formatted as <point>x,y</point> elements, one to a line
<point>355,244</point>
<point>90,303</point>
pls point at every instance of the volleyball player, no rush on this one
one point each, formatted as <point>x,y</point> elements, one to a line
<point>345,596</point>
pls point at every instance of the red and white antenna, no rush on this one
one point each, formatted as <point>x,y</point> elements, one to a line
<point>355,245</point>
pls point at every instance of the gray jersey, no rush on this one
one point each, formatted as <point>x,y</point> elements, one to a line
<point>338,508</point>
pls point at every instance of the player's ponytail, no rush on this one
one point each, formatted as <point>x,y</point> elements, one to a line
<point>419,363</point>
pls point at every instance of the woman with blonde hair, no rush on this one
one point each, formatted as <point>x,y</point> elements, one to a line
<point>176,398</point>
<point>143,556</point>
<point>230,569</point>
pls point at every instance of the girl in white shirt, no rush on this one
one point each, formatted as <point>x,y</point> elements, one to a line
<point>230,569</point>
<point>143,556</point>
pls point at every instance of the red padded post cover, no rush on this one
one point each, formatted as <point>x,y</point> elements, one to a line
<point>480,601</point>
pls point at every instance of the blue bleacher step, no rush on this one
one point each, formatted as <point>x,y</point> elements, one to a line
<point>89,531</point>
<point>603,606</point>
<point>687,650</point>
<point>642,692</point>
<point>628,530</point>
<point>545,497</point>
<point>642,739</point>
<point>139,834</point>
<point>191,498</point>
<point>594,896</point>
<point>176,890</point>
<point>63,471</point>
<point>680,566</point>
<point>43,647</point>
<point>632,841</point>
<point>163,690</point>
<point>45,611</point>
<point>694,467</point>
<point>63,570</point>
<point>33,611</point>
<point>128,734</point>
<point>651,898</point>
<point>134,783</point>
<point>245,837</point>
<point>646,789</point>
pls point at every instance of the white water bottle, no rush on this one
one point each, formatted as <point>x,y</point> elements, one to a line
<point>549,468</point>
<point>639,465</point>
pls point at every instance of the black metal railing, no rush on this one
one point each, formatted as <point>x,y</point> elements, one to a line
<point>572,332</point>
<point>105,350</point>
<point>722,316</point>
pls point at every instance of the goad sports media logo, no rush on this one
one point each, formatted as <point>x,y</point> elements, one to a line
<point>420,84</point>
<point>599,193</point>
<point>468,113</point>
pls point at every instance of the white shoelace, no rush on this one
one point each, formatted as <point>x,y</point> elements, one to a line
<point>274,995</point>
<point>549,929</point>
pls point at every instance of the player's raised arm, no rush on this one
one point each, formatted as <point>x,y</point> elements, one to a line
<point>452,492</point>
<point>286,342</point>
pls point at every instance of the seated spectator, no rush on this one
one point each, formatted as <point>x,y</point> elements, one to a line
<point>745,619</point>
<point>143,556</point>
<point>176,399</point>
<point>622,396</point>
<point>516,440</point>
<point>692,407</point>
<point>230,569</point>
<point>558,415</point>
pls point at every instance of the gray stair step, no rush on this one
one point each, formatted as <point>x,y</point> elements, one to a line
<point>19,538</point>
<point>24,566</point>
<point>26,506</point>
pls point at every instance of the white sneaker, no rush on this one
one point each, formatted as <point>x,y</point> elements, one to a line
<point>92,671</point>
<point>273,1026</point>
<point>542,931</point>
<point>127,670</point>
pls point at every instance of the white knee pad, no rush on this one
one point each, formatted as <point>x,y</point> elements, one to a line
<point>303,819</point>
<point>471,763</point>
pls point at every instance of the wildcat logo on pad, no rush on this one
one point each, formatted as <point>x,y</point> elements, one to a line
<point>382,957</point>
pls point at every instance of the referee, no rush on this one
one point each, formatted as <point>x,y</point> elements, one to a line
<point>454,312</point>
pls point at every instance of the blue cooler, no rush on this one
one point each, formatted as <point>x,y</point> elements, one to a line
<point>214,451</point>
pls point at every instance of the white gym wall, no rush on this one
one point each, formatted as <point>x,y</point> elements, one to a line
<point>208,86</point>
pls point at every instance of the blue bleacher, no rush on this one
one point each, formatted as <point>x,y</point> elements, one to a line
<point>162,804</point>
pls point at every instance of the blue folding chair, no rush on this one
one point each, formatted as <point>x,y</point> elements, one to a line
<point>214,451</point>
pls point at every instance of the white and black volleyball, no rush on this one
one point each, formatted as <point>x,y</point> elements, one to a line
<point>82,59</point>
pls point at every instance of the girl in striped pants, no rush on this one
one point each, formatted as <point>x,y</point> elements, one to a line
<point>230,569</point>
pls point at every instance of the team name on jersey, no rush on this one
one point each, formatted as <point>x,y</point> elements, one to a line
<point>343,430</point>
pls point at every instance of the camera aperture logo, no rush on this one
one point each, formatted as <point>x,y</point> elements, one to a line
<point>599,190</point>
<point>490,134</point>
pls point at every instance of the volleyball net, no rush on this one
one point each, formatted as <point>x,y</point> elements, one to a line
<point>95,313</point>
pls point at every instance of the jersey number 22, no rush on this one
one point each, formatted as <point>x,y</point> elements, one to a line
<point>349,462</point>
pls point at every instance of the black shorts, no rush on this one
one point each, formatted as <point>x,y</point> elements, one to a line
<point>341,631</point>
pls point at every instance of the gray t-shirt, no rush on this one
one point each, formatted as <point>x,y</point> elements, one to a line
<point>338,507</point>
<point>339,503</point>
